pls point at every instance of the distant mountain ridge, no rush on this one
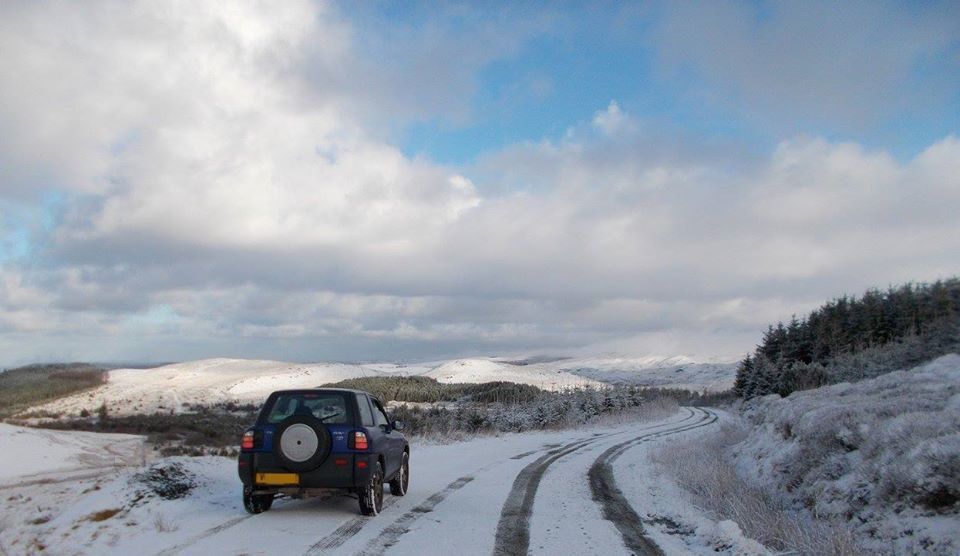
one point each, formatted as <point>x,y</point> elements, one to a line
<point>171,388</point>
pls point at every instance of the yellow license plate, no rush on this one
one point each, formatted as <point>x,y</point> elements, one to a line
<point>278,479</point>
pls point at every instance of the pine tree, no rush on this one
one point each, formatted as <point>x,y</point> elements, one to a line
<point>798,355</point>
<point>744,376</point>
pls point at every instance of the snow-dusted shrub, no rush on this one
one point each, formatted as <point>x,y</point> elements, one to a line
<point>424,389</point>
<point>549,410</point>
<point>704,469</point>
<point>168,480</point>
<point>882,454</point>
<point>915,461</point>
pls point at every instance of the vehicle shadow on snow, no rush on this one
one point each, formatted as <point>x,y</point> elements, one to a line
<point>334,504</point>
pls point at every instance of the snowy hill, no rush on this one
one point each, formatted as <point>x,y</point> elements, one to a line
<point>478,371</point>
<point>654,371</point>
<point>651,371</point>
<point>211,381</point>
<point>207,381</point>
<point>881,455</point>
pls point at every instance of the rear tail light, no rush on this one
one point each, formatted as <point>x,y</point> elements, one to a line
<point>247,442</point>
<point>359,441</point>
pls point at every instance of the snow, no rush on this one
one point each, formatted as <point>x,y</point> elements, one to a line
<point>453,505</point>
<point>649,371</point>
<point>875,454</point>
<point>676,525</point>
<point>475,371</point>
<point>206,382</point>
<point>211,381</point>
<point>59,516</point>
<point>32,453</point>
<point>654,371</point>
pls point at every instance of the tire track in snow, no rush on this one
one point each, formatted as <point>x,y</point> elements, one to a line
<point>614,505</point>
<point>200,536</point>
<point>83,472</point>
<point>401,525</point>
<point>240,519</point>
<point>70,475</point>
<point>513,529</point>
<point>343,533</point>
<point>339,536</point>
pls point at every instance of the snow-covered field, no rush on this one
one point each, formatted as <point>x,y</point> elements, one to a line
<point>880,455</point>
<point>464,498</point>
<point>32,454</point>
<point>212,381</point>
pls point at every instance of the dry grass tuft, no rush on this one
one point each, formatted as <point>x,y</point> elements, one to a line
<point>162,525</point>
<point>702,468</point>
<point>103,515</point>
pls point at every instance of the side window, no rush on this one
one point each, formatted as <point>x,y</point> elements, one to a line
<point>379,415</point>
<point>366,416</point>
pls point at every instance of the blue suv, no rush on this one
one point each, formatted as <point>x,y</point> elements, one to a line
<point>311,441</point>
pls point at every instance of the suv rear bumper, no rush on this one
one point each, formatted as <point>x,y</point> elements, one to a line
<point>338,471</point>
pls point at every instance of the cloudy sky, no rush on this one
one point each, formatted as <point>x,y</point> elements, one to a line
<point>359,181</point>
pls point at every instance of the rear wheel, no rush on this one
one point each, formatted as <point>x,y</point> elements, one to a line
<point>371,496</point>
<point>400,482</point>
<point>256,503</point>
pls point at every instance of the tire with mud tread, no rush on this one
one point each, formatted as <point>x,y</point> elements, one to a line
<point>256,503</point>
<point>371,496</point>
<point>401,481</point>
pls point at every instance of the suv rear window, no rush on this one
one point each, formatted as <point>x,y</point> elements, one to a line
<point>329,407</point>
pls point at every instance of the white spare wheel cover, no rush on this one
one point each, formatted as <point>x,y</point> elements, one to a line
<point>299,442</point>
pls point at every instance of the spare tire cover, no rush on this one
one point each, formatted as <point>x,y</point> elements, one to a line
<point>302,443</point>
<point>299,442</point>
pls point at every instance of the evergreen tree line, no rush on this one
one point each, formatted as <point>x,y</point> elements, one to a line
<point>853,338</point>
<point>426,389</point>
<point>548,410</point>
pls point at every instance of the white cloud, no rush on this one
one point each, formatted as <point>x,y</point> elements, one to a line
<point>222,192</point>
<point>613,120</point>
<point>191,124</point>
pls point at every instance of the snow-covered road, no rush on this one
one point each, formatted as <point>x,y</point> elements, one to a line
<point>480,497</point>
<point>563,492</point>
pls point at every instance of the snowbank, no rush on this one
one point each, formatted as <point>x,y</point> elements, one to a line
<point>119,512</point>
<point>882,455</point>
<point>32,452</point>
